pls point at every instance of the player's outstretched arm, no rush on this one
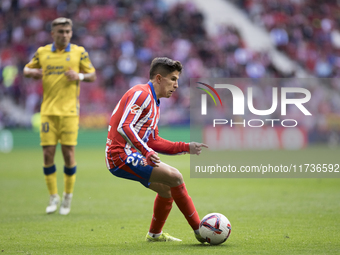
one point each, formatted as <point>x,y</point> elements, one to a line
<point>164,146</point>
<point>196,148</point>
<point>34,73</point>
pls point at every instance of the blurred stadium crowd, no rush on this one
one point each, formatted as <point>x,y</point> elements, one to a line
<point>306,30</point>
<point>123,36</point>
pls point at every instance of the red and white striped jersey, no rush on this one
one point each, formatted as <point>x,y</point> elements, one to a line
<point>133,127</point>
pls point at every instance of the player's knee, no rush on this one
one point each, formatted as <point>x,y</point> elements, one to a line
<point>176,177</point>
<point>48,157</point>
<point>68,160</point>
<point>68,154</point>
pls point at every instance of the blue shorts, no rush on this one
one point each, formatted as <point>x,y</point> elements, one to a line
<point>135,168</point>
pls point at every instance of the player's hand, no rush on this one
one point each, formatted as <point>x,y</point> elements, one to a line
<point>196,148</point>
<point>152,158</point>
<point>36,74</point>
<point>71,75</point>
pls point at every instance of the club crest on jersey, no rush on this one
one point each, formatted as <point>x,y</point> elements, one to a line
<point>68,58</point>
<point>135,109</point>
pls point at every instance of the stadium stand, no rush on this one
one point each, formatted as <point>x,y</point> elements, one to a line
<point>123,36</point>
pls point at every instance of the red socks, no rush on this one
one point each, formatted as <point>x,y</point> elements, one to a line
<point>161,210</point>
<point>186,206</point>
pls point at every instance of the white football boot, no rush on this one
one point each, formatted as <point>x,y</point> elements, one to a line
<point>163,237</point>
<point>65,206</point>
<point>53,204</point>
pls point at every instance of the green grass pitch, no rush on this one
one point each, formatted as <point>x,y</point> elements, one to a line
<point>111,215</point>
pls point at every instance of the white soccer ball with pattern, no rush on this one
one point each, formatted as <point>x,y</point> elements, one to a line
<point>215,228</point>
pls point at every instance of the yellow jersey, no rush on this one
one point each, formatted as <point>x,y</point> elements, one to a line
<point>60,96</point>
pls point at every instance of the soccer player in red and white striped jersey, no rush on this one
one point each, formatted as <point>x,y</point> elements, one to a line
<point>133,145</point>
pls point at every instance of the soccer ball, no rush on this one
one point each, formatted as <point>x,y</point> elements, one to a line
<point>215,228</point>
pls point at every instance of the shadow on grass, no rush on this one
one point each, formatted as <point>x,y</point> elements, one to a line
<point>208,246</point>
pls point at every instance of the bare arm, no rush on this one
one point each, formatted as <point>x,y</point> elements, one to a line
<point>33,73</point>
<point>74,76</point>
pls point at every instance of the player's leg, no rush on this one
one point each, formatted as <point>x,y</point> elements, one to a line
<point>171,177</point>
<point>70,168</point>
<point>68,140</point>
<point>161,189</point>
<point>134,167</point>
<point>50,169</point>
<point>161,209</point>
<point>49,139</point>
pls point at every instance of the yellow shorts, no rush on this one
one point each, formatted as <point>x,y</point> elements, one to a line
<point>63,129</point>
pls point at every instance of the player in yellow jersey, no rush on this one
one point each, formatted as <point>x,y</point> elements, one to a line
<point>61,66</point>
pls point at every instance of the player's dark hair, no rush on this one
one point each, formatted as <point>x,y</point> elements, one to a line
<point>164,66</point>
<point>61,21</point>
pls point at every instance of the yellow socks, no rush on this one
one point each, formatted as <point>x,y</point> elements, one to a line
<point>69,179</point>
<point>51,179</point>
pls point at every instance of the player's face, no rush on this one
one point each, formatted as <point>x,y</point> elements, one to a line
<point>61,35</point>
<point>169,84</point>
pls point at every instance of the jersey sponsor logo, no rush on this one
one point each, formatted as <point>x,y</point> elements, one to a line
<point>58,70</point>
<point>135,109</point>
